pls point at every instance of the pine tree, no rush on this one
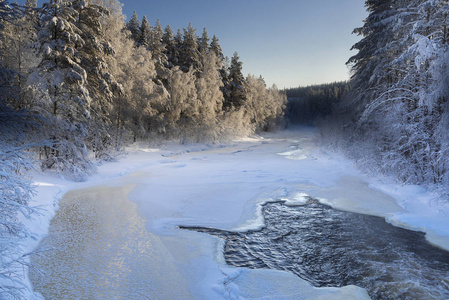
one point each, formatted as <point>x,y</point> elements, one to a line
<point>397,102</point>
<point>133,25</point>
<point>236,84</point>
<point>203,45</point>
<point>157,49</point>
<point>224,74</point>
<point>101,84</point>
<point>145,33</point>
<point>61,76</point>
<point>376,51</point>
<point>177,49</point>
<point>189,54</point>
<point>216,48</point>
<point>168,41</point>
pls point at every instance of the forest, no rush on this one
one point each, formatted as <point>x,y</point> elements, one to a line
<point>78,84</point>
<point>394,119</point>
<point>310,104</point>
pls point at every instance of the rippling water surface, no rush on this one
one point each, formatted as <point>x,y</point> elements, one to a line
<point>333,248</point>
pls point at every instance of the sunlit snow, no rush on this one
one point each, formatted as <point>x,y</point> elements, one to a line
<point>223,186</point>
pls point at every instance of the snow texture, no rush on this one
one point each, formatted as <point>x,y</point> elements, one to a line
<point>223,186</point>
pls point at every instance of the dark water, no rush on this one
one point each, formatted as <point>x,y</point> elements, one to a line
<point>333,248</point>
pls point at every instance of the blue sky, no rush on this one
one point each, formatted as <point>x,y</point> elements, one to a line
<point>288,42</point>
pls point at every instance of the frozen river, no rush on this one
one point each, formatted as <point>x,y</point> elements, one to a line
<point>120,239</point>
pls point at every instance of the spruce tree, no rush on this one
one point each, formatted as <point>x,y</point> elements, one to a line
<point>157,49</point>
<point>203,45</point>
<point>101,84</point>
<point>177,48</point>
<point>236,84</point>
<point>145,33</point>
<point>133,25</point>
<point>168,41</point>
<point>61,77</point>
<point>216,48</point>
<point>190,56</point>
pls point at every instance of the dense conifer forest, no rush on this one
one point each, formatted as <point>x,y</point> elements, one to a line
<point>394,119</point>
<point>308,105</point>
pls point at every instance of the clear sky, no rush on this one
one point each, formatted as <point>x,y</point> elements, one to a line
<point>288,42</point>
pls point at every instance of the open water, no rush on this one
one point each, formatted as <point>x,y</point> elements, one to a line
<point>332,248</point>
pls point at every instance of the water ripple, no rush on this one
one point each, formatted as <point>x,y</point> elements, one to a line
<point>333,248</point>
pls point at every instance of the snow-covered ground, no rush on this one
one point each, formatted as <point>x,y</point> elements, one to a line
<point>222,186</point>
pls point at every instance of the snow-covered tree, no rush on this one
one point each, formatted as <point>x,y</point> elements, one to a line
<point>170,47</point>
<point>210,97</point>
<point>117,39</point>
<point>16,190</point>
<point>145,33</point>
<point>189,54</point>
<point>183,106</point>
<point>398,101</point>
<point>203,45</point>
<point>265,107</point>
<point>216,48</point>
<point>8,76</point>
<point>177,47</point>
<point>133,25</point>
<point>101,83</point>
<point>16,130</point>
<point>61,76</point>
<point>146,99</point>
<point>157,49</point>
<point>236,84</point>
<point>16,51</point>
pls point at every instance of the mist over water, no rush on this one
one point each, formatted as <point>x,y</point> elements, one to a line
<point>333,248</point>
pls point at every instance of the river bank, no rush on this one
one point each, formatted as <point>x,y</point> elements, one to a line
<point>223,186</point>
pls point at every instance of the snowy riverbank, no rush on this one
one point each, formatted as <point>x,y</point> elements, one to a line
<point>222,186</point>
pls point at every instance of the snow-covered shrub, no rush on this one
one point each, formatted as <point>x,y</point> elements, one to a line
<point>15,192</point>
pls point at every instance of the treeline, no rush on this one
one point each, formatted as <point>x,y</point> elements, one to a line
<point>77,83</point>
<point>395,118</point>
<point>101,83</point>
<point>307,105</point>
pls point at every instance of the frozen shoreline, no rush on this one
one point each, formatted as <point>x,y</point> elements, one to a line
<point>222,186</point>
